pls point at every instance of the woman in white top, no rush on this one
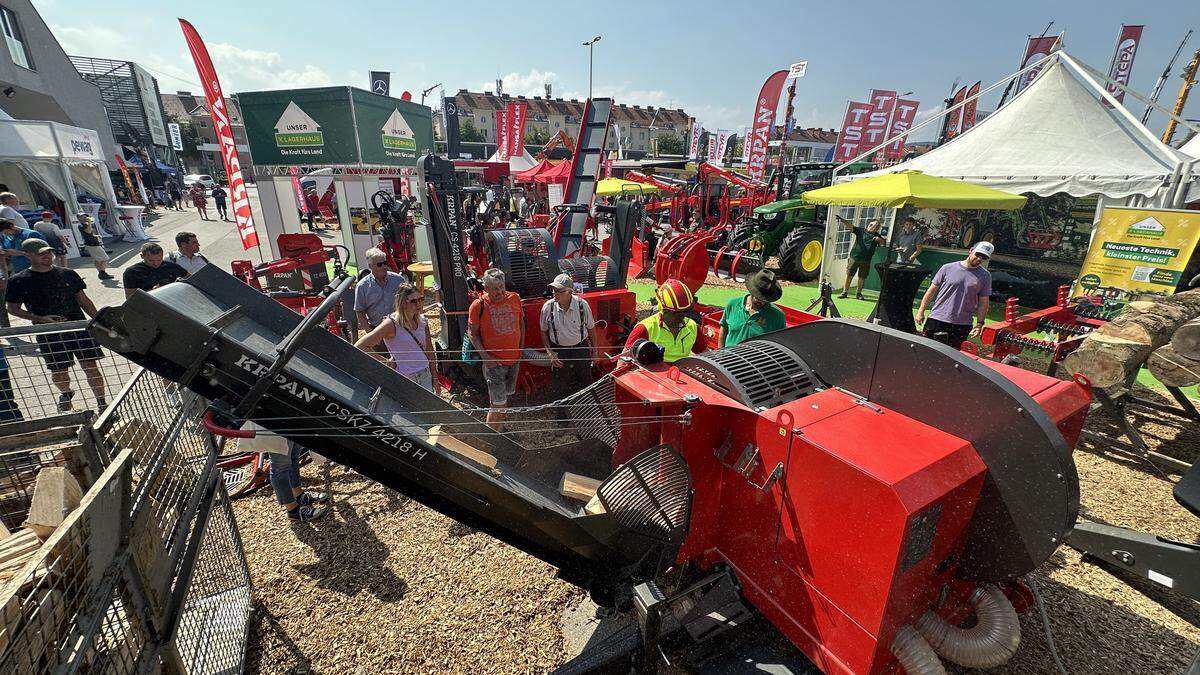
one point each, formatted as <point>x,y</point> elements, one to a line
<point>406,334</point>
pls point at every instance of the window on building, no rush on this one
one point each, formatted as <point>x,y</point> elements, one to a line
<point>15,39</point>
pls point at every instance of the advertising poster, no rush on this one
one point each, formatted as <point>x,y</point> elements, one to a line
<point>1139,250</point>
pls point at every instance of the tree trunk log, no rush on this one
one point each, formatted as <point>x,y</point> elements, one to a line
<point>1110,354</point>
<point>1186,341</point>
<point>1172,368</point>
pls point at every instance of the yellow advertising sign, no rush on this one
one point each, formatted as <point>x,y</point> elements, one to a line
<point>1139,250</point>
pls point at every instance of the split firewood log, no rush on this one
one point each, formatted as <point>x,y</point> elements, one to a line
<point>1186,341</point>
<point>1172,368</point>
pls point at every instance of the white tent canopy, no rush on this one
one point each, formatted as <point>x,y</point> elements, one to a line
<point>1058,135</point>
<point>58,156</point>
<point>1192,147</point>
<point>522,162</point>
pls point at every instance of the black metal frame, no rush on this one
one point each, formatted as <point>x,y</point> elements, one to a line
<point>1115,406</point>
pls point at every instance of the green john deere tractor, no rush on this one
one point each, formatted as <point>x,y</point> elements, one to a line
<point>789,228</point>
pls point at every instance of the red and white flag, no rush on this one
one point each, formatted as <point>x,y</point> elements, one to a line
<point>517,114</point>
<point>1122,61</point>
<point>850,137</point>
<point>220,117</point>
<point>955,117</point>
<point>971,107</point>
<point>883,103</point>
<point>764,119</point>
<point>501,135</point>
<point>902,119</point>
<point>745,145</point>
<point>294,172</point>
<point>1036,49</point>
<point>722,144</point>
<point>694,143</point>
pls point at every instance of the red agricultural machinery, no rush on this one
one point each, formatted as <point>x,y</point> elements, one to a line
<point>300,277</point>
<point>1065,325</point>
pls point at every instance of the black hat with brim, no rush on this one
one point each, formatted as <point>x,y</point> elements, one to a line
<point>763,286</point>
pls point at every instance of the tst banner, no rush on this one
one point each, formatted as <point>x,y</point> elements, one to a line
<point>764,119</point>
<point>902,119</point>
<point>501,135</point>
<point>1122,61</point>
<point>971,109</point>
<point>517,114</point>
<point>1036,49</point>
<point>850,137</point>
<point>224,132</point>
<point>883,103</point>
<point>955,117</point>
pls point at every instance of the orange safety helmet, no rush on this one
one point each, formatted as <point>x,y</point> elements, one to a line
<point>674,295</point>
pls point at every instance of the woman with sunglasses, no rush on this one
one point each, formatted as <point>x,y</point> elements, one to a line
<point>405,333</point>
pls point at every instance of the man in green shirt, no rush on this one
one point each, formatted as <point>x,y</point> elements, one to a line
<point>752,314</point>
<point>865,243</point>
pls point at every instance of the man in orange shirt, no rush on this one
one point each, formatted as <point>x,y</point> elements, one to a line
<point>497,327</point>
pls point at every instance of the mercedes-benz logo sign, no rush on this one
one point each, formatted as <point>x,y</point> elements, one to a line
<point>451,109</point>
<point>380,87</point>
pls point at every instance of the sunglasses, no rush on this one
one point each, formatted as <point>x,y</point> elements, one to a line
<point>414,301</point>
<point>379,264</point>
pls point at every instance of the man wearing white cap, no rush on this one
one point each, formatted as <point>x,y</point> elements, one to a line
<point>958,292</point>
<point>569,333</point>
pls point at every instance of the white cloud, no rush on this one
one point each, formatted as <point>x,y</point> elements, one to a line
<point>243,69</point>
<point>530,84</point>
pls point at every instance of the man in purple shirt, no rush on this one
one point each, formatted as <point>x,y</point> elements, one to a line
<point>958,291</point>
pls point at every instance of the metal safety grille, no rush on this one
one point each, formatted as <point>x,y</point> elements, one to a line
<point>594,413</point>
<point>757,373</point>
<point>593,272</point>
<point>651,494</point>
<point>526,257</point>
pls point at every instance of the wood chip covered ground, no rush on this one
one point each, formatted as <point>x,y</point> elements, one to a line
<point>384,585</point>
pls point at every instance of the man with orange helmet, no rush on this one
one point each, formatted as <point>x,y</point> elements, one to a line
<point>670,328</point>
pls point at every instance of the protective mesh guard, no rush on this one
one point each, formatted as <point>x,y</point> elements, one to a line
<point>651,494</point>
<point>594,413</point>
<point>593,272</point>
<point>757,373</point>
<point>526,256</point>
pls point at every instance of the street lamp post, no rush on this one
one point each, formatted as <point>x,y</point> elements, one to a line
<point>426,92</point>
<point>589,44</point>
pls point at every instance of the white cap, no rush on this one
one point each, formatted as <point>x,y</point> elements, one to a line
<point>985,248</point>
<point>563,281</point>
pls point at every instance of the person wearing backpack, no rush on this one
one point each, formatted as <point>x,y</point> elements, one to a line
<point>569,333</point>
<point>496,323</point>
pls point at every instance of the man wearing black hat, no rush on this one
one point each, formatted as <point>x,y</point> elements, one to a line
<point>754,313</point>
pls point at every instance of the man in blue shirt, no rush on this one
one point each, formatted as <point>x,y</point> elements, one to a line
<point>11,237</point>
<point>375,294</point>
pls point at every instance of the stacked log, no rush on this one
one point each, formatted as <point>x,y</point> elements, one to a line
<point>1177,363</point>
<point>1110,354</point>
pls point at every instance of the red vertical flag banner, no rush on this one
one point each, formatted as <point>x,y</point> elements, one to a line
<point>851,135</point>
<point>883,102</point>
<point>501,135</point>
<point>1122,61</point>
<point>971,108</point>
<point>902,119</point>
<point>955,117</point>
<point>1036,49</point>
<point>220,117</point>
<point>294,172</point>
<point>517,114</point>
<point>764,119</point>
<point>133,194</point>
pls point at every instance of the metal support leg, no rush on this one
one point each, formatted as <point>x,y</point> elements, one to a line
<point>1115,407</point>
<point>1172,564</point>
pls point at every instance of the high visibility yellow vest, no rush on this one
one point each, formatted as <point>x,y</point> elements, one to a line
<point>675,346</point>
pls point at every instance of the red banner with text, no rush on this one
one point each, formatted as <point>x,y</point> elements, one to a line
<point>1122,61</point>
<point>883,103</point>
<point>501,135</point>
<point>902,119</point>
<point>954,119</point>
<point>517,114</point>
<point>850,137</point>
<point>1036,49</point>
<point>971,109</point>
<point>240,204</point>
<point>764,119</point>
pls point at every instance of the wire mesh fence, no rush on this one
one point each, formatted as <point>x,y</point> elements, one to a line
<point>148,573</point>
<point>52,368</point>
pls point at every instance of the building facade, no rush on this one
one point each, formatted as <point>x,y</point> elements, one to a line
<point>202,152</point>
<point>639,125</point>
<point>38,80</point>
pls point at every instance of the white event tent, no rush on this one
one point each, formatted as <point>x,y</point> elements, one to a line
<point>1060,135</point>
<point>516,163</point>
<point>58,157</point>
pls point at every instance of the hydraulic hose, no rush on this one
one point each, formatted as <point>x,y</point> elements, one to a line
<point>991,642</point>
<point>915,654</point>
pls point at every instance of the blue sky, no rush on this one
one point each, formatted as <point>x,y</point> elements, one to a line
<point>708,57</point>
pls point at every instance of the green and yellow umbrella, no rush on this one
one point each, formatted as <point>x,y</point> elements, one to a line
<point>913,188</point>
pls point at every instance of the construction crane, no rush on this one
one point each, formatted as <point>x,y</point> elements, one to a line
<point>1189,78</point>
<point>1162,79</point>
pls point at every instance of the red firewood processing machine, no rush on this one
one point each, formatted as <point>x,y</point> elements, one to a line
<point>863,490</point>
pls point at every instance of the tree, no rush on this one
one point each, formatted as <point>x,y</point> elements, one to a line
<point>468,133</point>
<point>537,136</point>
<point>670,144</point>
